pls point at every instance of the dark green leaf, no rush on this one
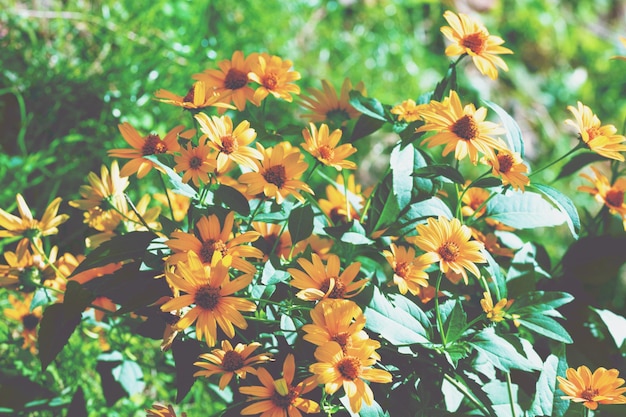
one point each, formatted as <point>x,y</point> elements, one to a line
<point>454,320</point>
<point>545,326</point>
<point>445,171</point>
<point>232,199</point>
<point>185,353</point>
<point>111,388</point>
<point>300,223</point>
<point>539,302</point>
<point>403,303</point>
<point>56,327</point>
<point>500,352</point>
<point>544,393</point>
<point>523,210</point>
<point>367,105</point>
<point>365,125</point>
<point>577,162</point>
<point>564,204</point>
<point>513,132</point>
<point>487,182</point>
<point>174,179</point>
<point>77,407</point>
<point>418,213</point>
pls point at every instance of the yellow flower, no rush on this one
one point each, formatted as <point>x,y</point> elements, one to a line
<point>199,96</point>
<point>196,163</point>
<point>602,140</point>
<point>610,195</point>
<point>319,245</point>
<point>326,106</point>
<point>510,167</point>
<point>601,387</point>
<point>448,242</point>
<point>491,243</point>
<point>408,111</point>
<point>26,269</point>
<point>230,144</point>
<point>29,320</point>
<point>276,175</point>
<point>470,37</point>
<point>462,129</point>
<point>159,410</point>
<point>323,147</point>
<point>228,362</point>
<point>275,77</point>
<point>144,146</point>
<point>494,313</point>
<point>210,290</point>
<point>474,198</point>
<point>319,281</point>
<point>336,368</point>
<point>344,202</point>
<point>213,238</point>
<point>408,271</point>
<point>29,227</point>
<point>231,79</point>
<point>281,397</point>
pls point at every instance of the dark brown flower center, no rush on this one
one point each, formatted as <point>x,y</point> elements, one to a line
<point>476,42</point>
<point>235,79</point>
<point>343,339</point>
<point>153,145</point>
<point>229,144</point>
<point>195,162</point>
<point>270,81</point>
<point>338,290</point>
<point>403,269</point>
<point>614,197</point>
<point>449,251</point>
<point>209,247</point>
<point>589,394</point>
<point>207,297</point>
<point>276,175</point>
<point>506,162</point>
<point>232,361</point>
<point>466,128</point>
<point>284,401</point>
<point>30,321</point>
<point>327,153</point>
<point>189,96</point>
<point>349,367</point>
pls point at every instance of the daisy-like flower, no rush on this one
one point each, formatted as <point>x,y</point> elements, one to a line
<point>319,281</point>
<point>319,245</point>
<point>326,106</point>
<point>231,144</point>
<point>350,370</point>
<point>494,313</point>
<point>343,203</point>
<point>601,387</point>
<point>601,139</point>
<point>29,320</point>
<point>231,79</point>
<point>510,167</point>
<point>229,362</point>
<point>474,201</point>
<point>199,96</point>
<point>408,111</point>
<point>409,271</point>
<point>196,163</point>
<point>462,129</point>
<point>275,77</point>
<point>491,243</point>
<point>144,146</point>
<point>214,238</point>
<point>470,37</point>
<point>159,410</point>
<point>323,147</point>
<point>277,174</point>
<point>280,397</point>
<point>29,227</point>
<point>340,321</point>
<point>26,268</point>
<point>611,195</point>
<point>210,290</point>
<point>448,242</point>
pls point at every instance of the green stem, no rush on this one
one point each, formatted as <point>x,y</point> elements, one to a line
<point>571,151</point>
<point>437,310</point>
<point>255,212</point>
<point>317,164</point>
<point>585,411</point>
<point>167,195</point>
<point>510,390</point>
<point>459,204</point>
<point>134,209</point>
<point>468,394</point>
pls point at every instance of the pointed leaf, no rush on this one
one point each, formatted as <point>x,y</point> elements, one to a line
<point>445,171</point>
<point>544,393</point>
<point>545,326</point>
<point>564,204</point>
<point>185,353</point>
<point>615,324</point>
<point>454,320</point>
<point>578,162</point>
<point>232,199</point>
<point>365,125</point>
<point>367,105</point>
<point>174,179</point>
<point>300,223</point>
<point>500,352</point>
<point>513,132</point>
<point>56,327</point>
<point>130,377</point>
<point>523,210</point>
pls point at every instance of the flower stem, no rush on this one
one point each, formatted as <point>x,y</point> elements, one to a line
<point>510,390</point>
<point>468,394</point>
<point>438,311</point>
<point>167,195</point>
<point>460,200</point>
<point>568,153</point>
<point>134,209</point>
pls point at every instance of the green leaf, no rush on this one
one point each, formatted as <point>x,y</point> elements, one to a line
<point>78,407</point>
<point>545,326</point>
<point>403,303</point>
<point>523,210</point>
<point>356,239</point>
<point>56,327</point>
<point>500,352</point>
<point>392,323</point>
<point>578,162</point>
<point>129,375</point>
<point>232,199</point>
<point>401,162</point>
<point>513,132</point>
<point>615,324</point>
<point>539,302</point>
<point>445,171</point>
<point>365,125</point>
<point>487,182</point>
<point>543,402</point>
<point>418,213</point>
<point>564,204</point>
<point>454,320</point>
<point>496,276</point>
<point>174,179</point>
<point>42,296</point>
<point>367,105</point>
<point>185,353</point>
<point>271,276</point>
<point>118,249</point>
<point>374,410</point>
<point>498,393</point>
<point>300,223</point>
<point>111,387</point>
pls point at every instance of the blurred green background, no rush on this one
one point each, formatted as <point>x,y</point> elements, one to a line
<point>71,71</point>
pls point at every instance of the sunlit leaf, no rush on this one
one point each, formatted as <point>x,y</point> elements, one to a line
<point>564,204</point>
<point>523,210</point>
<point>615,324</point>
<point>367,105</point>
<point>546,326</point>
<point>500,352</point>
<point>174,179</point>
<point>513,135</point>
